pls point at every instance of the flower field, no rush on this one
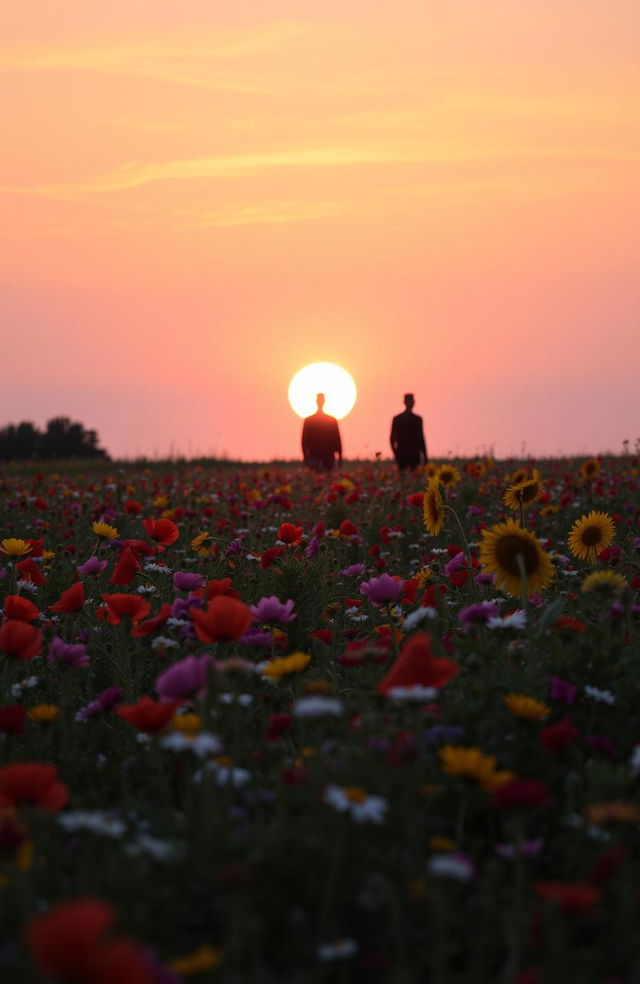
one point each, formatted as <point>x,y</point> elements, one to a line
<point>263,725</point>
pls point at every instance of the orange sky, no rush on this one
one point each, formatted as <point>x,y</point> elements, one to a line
<point>199,198</point>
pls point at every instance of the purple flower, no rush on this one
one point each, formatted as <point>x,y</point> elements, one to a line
<point>455,563</point>
<point>383,589</point>
<point>92,566</point>
<point>563,690</point>
<point>527,849</point>
<point>444,732</point>
<point>183,678</point>
<point>187,581</point>
<point>68,654</point>
<point>181,606</point>
<point>256,637</point>
<point>312,547</point>
<point>105,701</point>
<point>483,578</point>
<point>273,610</point>
<point>477,614</point>
<point>355,570</point>
<point>602,744</point>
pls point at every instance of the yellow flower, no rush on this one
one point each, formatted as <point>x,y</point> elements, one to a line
<point>15,547</point>
<point>589,469</point>
<point>423,575</point>
<point>522,494</point>
<point>48,554</point>
<point>500,549</point>
<point>604,580</point>
<point>322,687</point>
<point>105,531</point>
<point>160,502</point>
<point>525,707</point>
<point>590,534</point>
<point>442,844</point>
<point>433,508</point>
<point>430,470</point>
<point>188,724</point>
<point>471,763</point>
<point>615,811</point>
<point>44,713</point>
<point>285,665</point>
<point>203,958</point>
<point>521,475</point>
<point>202,543</point>
<point>448,475</point>
<point>355,794</point>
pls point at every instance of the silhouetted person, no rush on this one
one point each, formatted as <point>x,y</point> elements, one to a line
<point>321,439</point>
<point>407,437</point>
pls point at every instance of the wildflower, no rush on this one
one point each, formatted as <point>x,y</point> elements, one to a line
<point>589,469</point>
<point>590,534</point>
<point>20,640</point>
<point>276,669</point>
<point>604,581</point>
<point>525,707</point>
<point>71,600</point>
<point>95,821</point>
<point>201,745</point>
<point>12,719</point>
<point>457,867</point>
<point>557,737</point>
<point>201,959</point>
<point>353,570</point>
<point>448,475</point>
<point>35,783</point>
<point>503,546</point>
<point>444,733</point>
<point>478,613</point>
<point>521,793</point>
<point>30,571</point>
<point>14,547</point>
<point>224,619</point>
<point>514,620</point>
<point>615,811</point>
<point>19,608</point>
<point>290,534</point>
<point>562,690</point>
<point>150,625</point>
<point>120,606</point>
<point>187,581</point>
<point>44,713</point>
<point>601,696</point>
<point>126,569</point>
<point>338,950</point>
<point>184,678</point>
<point>433,508</point>
<point>416,666</point>
<point>572,899</point>
<point>105,701</point>
<point>273,610</point>
<point>104,531</point>
<point>382,590</point>
<point>202,544</point>
<point>522,494</point>
<point>417,616</point>
<point>470,763</point>
<point>317,706</point>
<point>163,531</point>
<point>526,849</point>
<point>355,801</point>
<point>92,566</point>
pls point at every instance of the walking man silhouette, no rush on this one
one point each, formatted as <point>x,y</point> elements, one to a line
<point>321,439</point>
<point>407,437</point>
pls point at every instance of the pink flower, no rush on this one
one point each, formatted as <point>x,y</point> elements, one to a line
<point>92,566</point>
<point>563,690</point>
<point>187,581</point>
<point>183,678</point>
<point>383,589</point>
<point>273,610</point>
<point>68,654</point>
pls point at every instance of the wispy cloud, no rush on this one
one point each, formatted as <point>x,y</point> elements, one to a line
<point>191,61</point>
<point>272,213</point>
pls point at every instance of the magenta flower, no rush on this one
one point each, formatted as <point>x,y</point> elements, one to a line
<point>477,614</point>
<point>183,678</point>
<point>563,690</point>
<point>312,547</point>
<point>92,566</point>
<point>187,581</point>
<point>455,563</point>
<point>105,701</point>
<point>381,590</point>
<point>273,610</point>
<point>68,654</point>
<point>354,570</point>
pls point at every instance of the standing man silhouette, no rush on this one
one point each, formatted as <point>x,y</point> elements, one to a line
<point>321,439</point>
<point>407,437</point>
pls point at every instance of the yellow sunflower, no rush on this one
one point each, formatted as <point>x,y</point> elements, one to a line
<point>589,469</point>
<point>522,494</point>
<point>500,549</point>
<point>604,580</point>
<point>105,531</point>
<point>521,475</point>
<point>590,534</point>
<point>433,508</point>
<point>430,470</point>
<point>448,475</point>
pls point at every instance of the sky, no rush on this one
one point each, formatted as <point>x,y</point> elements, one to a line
<point>199,198</point>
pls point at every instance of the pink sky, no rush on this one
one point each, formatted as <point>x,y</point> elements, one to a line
<point>198,198</point>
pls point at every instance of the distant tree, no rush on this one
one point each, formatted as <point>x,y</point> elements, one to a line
<point>62,438</point>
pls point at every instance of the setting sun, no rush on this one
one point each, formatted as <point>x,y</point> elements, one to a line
<point>323,377</point>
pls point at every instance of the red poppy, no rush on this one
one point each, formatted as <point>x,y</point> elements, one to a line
<point>70,600</point>
<point>140,548</point>
<point>126,569</point>
<point>415,666</point>
<point>36,547</point>
<point>433,595</point>
<point>15,606</point>
<point>290,534</point>
<point>525,793</point>
<point>556,737</point>
<point>12,719</point>
<point>132,508</point>
<point>224,619</point>
<point>152,624</point>
<point>221,587</point>
<point>148,715</point>
<point>573,899</point>
<point>163,531</point>
<point>35,783</point>
<point>277,725</point>
<point>30,571</point>
<point>566,622</point>
<point>410,592</point>
<point>270,556</point>
<point>347,528</point>
<point>20,640</point>
<point>324,635</point>
<point>121,606</point>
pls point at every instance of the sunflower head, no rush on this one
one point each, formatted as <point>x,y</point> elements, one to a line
<point>522,494</point>
<point>509,551</point>
<point>590,534</point>
<point>448,475</point>
<point>589,469</point>
<point>105,531</point>
<point>604,581</point>
<point>433,508</point>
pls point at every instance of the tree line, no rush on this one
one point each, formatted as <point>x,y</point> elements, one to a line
<point>61,438</point>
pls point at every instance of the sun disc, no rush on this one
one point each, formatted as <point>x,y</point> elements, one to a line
<point>322,377</point>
